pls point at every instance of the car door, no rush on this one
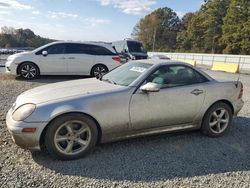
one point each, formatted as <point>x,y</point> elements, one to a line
<point>55,60</point>
<point>178,102</point>
<point>80,58</point>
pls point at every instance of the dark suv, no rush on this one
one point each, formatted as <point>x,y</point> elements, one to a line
<point>130,49</point>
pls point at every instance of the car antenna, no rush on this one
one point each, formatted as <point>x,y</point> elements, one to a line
<point>240,68</point>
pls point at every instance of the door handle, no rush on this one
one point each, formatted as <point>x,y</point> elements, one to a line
<point>63,58</point>
<point>197,92</point>
<point>71,57</point>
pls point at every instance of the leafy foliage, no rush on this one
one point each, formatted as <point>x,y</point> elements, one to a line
<point>10,37</point>
<point>236,28</point>
<point>220,26</point>
<point>158,30</point>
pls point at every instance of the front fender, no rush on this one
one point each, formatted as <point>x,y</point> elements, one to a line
<point>45,112</point>
<point>110,110</point>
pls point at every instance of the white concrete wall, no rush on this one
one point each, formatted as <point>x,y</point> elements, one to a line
<point>208,59</point>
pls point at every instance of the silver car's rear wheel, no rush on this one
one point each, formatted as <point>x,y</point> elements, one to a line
<point>71,136</point>
<point>217,119</point>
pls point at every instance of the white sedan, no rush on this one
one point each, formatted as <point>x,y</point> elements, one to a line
<point>64,58</point>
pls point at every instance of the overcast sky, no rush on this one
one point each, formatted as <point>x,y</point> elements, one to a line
<point>99,20</point>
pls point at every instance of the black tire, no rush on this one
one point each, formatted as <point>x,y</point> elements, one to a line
<point>216,126</point>
<point>56,148</point>
<point>98,70</point>
<point>28,71</point>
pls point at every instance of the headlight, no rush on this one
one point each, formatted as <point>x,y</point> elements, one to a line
<point>23,112</point>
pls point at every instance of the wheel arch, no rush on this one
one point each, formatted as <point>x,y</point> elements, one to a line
<point>18,67</point>
<point>220,101</point>
<point>42,136</point>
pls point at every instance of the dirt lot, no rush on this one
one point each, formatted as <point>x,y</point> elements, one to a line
<point>186,159</point>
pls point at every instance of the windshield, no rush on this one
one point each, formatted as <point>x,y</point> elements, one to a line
<point>126,74</point>
<point>135,47</point>
<point>42,47</point>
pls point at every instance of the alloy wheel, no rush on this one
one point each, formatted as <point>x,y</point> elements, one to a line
<point>28,71</point>
<point>72,137</point>
<point>99,71</point>
<point>219,120</point>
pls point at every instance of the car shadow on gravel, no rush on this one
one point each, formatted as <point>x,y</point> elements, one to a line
<point>161,157</point>
<point>52,79</point>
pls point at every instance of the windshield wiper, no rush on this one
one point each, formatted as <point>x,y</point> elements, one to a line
<point>109,81</point>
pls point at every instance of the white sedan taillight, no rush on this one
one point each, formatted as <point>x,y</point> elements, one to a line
<point>116,58</point>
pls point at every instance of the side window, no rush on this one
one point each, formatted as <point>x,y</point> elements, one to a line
<point>53,49</point>
<point>87,49</point>
<point>175,75</point>
<point>200,78</point>
<point>99,50</point>
<point>56,49</point>
<point>76,49</point>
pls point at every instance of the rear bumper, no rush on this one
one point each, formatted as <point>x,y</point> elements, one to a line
<point>25,140</point>
<point>238,106</point>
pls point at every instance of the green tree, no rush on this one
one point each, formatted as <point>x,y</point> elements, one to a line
<point>158,30</point>
<point>204,28</point>
<point>214,13</point>
<point>184,44</point>
<point>236,28</point>
<point>195,33</point>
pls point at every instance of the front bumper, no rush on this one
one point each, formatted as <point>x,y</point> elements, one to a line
<point>7,70</point>
<point>24,140</point>
<point>11,68</point>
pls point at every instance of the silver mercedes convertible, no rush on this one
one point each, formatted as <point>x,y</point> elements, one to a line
<point>138,98</point>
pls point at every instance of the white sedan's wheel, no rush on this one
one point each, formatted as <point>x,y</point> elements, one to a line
<point>28,71</point>
<point>217,120</point>
<point>98,71</point>
<point>71,136</point>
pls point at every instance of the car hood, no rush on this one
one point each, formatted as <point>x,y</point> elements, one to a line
<point>14,56</point>
<point>61,90</point>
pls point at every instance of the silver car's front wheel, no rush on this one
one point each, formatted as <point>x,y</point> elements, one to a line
<point>71,136</point>
<point>217,119</point>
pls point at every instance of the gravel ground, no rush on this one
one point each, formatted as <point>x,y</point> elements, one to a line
<point>186,159</point>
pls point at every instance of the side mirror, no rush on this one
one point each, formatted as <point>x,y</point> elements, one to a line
<point>44,53</point>
<point>150,87</point>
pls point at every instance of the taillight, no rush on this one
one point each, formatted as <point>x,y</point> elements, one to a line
<point>241,92</point>
<point>117,58</point>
